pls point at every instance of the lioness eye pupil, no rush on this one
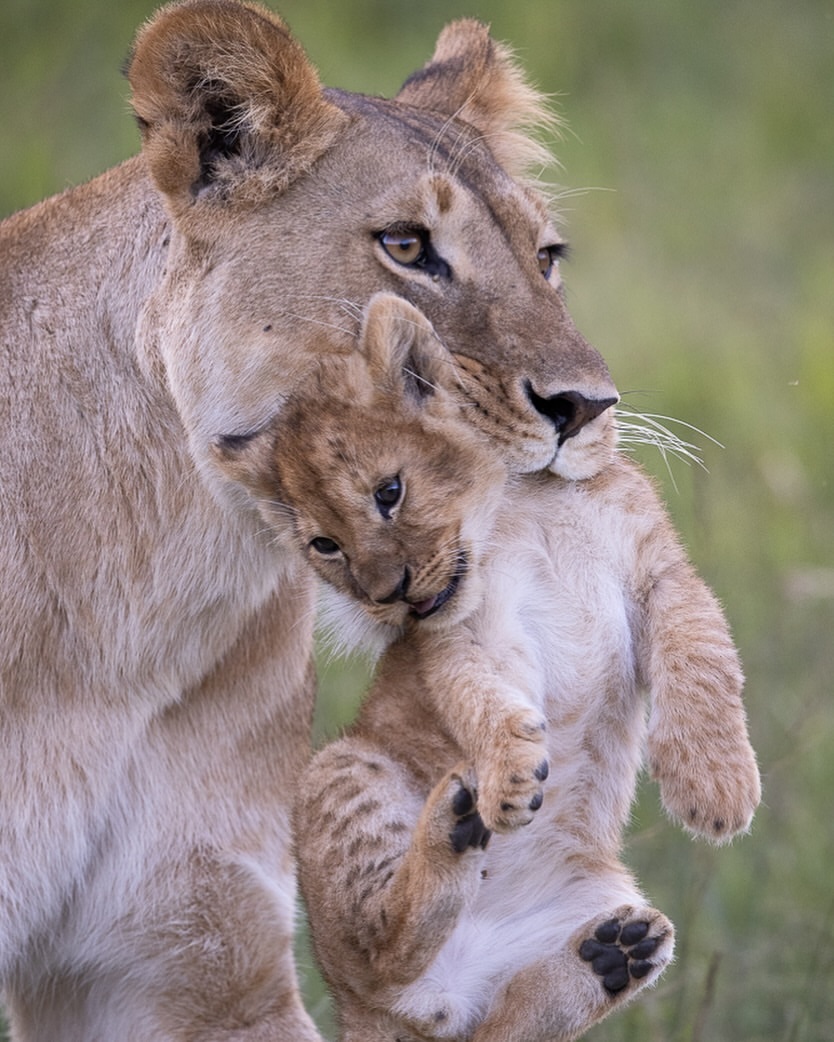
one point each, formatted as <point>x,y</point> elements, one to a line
<point>545,259</point>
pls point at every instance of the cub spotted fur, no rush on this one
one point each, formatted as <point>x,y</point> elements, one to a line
<point>156,684</point>
<point>524,617</point>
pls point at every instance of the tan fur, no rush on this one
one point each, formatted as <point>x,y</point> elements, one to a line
<point>155,679</point>
<point>576,597</point>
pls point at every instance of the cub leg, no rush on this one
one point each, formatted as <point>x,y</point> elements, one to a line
<point>497,722</point>
<point>698,747</point>
<point>441,868</point>
<point>604,965</point>
<point>384,870</point>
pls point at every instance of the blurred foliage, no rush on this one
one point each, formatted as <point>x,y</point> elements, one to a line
<point>699,198</point>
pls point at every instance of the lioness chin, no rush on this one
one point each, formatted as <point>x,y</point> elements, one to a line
<point>156,682</point>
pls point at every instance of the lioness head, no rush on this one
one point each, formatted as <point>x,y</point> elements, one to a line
<point>371,469</point>
<point>291,205</point>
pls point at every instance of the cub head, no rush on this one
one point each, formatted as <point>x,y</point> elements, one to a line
<point>372,473</point>
<point>290,206</point>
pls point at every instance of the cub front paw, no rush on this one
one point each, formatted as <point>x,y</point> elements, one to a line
<point>512,772</point>
<point>714,796</point>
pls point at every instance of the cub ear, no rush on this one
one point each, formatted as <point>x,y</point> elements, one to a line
<point>475,79</point>
<point>247,459</point>
<point>403,352</point>
<point>227,102</point>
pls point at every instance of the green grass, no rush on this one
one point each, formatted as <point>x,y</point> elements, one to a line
<point>703,267</point>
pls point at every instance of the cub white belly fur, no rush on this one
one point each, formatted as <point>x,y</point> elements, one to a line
<point>572,611</point>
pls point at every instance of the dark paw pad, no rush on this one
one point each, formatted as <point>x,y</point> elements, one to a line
<point>469,830</point>
<point>462,802</point>
<point>617,953</point>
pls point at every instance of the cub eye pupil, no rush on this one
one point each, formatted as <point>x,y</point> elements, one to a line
<point>324,546</point>
<point>404,247</point>
<point>388,495</point>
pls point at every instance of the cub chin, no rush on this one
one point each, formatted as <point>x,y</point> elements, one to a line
<point>459,846</point>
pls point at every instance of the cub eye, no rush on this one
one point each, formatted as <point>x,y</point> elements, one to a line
<point>549,256</point>
<point>388,495</point>
<point>325,547</point>
<point>406,246</point>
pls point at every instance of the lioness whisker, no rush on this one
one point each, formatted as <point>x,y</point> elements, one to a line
<point>318,322</point>
<point>638,428</point>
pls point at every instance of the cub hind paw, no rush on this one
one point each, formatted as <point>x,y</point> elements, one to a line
<point>469,829</point>
<point>629,949</point>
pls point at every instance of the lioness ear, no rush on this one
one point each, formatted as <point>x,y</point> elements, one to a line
<point>227,101</point>
<point>475,79</point>
<point>402,349</point>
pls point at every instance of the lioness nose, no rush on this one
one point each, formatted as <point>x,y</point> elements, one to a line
<point>399,591</point>
<point>569,411</point>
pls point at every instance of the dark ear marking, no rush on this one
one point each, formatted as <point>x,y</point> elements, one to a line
<point>226,99</point>
<point>417,384</point>
<point>231,444</point>
<point>222,139</point>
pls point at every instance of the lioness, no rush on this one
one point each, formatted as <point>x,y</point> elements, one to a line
<point>524,619</point>
<point>156,683</point>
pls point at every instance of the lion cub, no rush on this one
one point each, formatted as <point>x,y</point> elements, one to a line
<point>522,619</point>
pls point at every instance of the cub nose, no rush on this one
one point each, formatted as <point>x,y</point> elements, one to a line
<point>569,411</point>
<point>399,591</point>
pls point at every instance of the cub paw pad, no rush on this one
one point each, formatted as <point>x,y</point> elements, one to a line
<point>469,829</point>
<point>620,952</point>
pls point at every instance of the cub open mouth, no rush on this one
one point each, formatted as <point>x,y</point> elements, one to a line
<point>422,609</point>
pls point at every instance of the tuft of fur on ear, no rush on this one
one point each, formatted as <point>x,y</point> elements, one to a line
<point>476,79</point>
<point>403,350</point>
<point>227,102</point>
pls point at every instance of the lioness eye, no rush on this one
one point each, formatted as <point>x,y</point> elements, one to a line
<point>412,247</point>
<point>388,495</point>
<point>405,247</point>
<point>324,546</point>
<point>549,256</point>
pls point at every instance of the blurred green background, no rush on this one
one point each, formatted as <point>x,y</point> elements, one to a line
<point>699,199</point>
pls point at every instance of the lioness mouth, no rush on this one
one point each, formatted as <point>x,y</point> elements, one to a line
<point>422,609</point>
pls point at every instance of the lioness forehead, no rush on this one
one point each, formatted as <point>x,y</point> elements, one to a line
<point>447,151</point>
